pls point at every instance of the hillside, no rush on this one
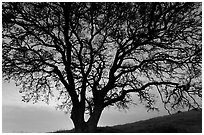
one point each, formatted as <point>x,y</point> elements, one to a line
<point>184,122</point>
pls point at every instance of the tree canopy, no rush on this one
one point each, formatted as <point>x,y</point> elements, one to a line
<point>94,55</point>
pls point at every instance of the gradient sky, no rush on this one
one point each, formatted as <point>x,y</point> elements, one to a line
<point>18,116</point>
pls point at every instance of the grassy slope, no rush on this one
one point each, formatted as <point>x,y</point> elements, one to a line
<point>185,122</point>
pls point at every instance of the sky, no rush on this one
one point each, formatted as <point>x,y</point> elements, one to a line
<point>18,117</point>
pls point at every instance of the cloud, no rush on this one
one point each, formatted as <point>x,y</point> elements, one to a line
<point>18,116</point>
<point>112,116</point>
<point>11,96</point>
<point>33,119</point>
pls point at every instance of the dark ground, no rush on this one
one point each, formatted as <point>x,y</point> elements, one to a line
<point>183,122</point>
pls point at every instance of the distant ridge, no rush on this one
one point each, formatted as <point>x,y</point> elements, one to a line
<point>182,122</point>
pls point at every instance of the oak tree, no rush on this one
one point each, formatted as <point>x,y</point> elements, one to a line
<point>95,55</point>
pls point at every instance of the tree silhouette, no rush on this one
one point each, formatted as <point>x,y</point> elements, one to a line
<point>95,55</point>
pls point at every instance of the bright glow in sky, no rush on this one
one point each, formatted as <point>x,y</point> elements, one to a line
<point>18,116</point>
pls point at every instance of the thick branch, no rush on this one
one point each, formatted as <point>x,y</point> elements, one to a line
<point>124,92</point>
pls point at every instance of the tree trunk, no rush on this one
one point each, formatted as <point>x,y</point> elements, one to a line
<point>93,120</point>
<point>77,116</point>
<point>80,125</point>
